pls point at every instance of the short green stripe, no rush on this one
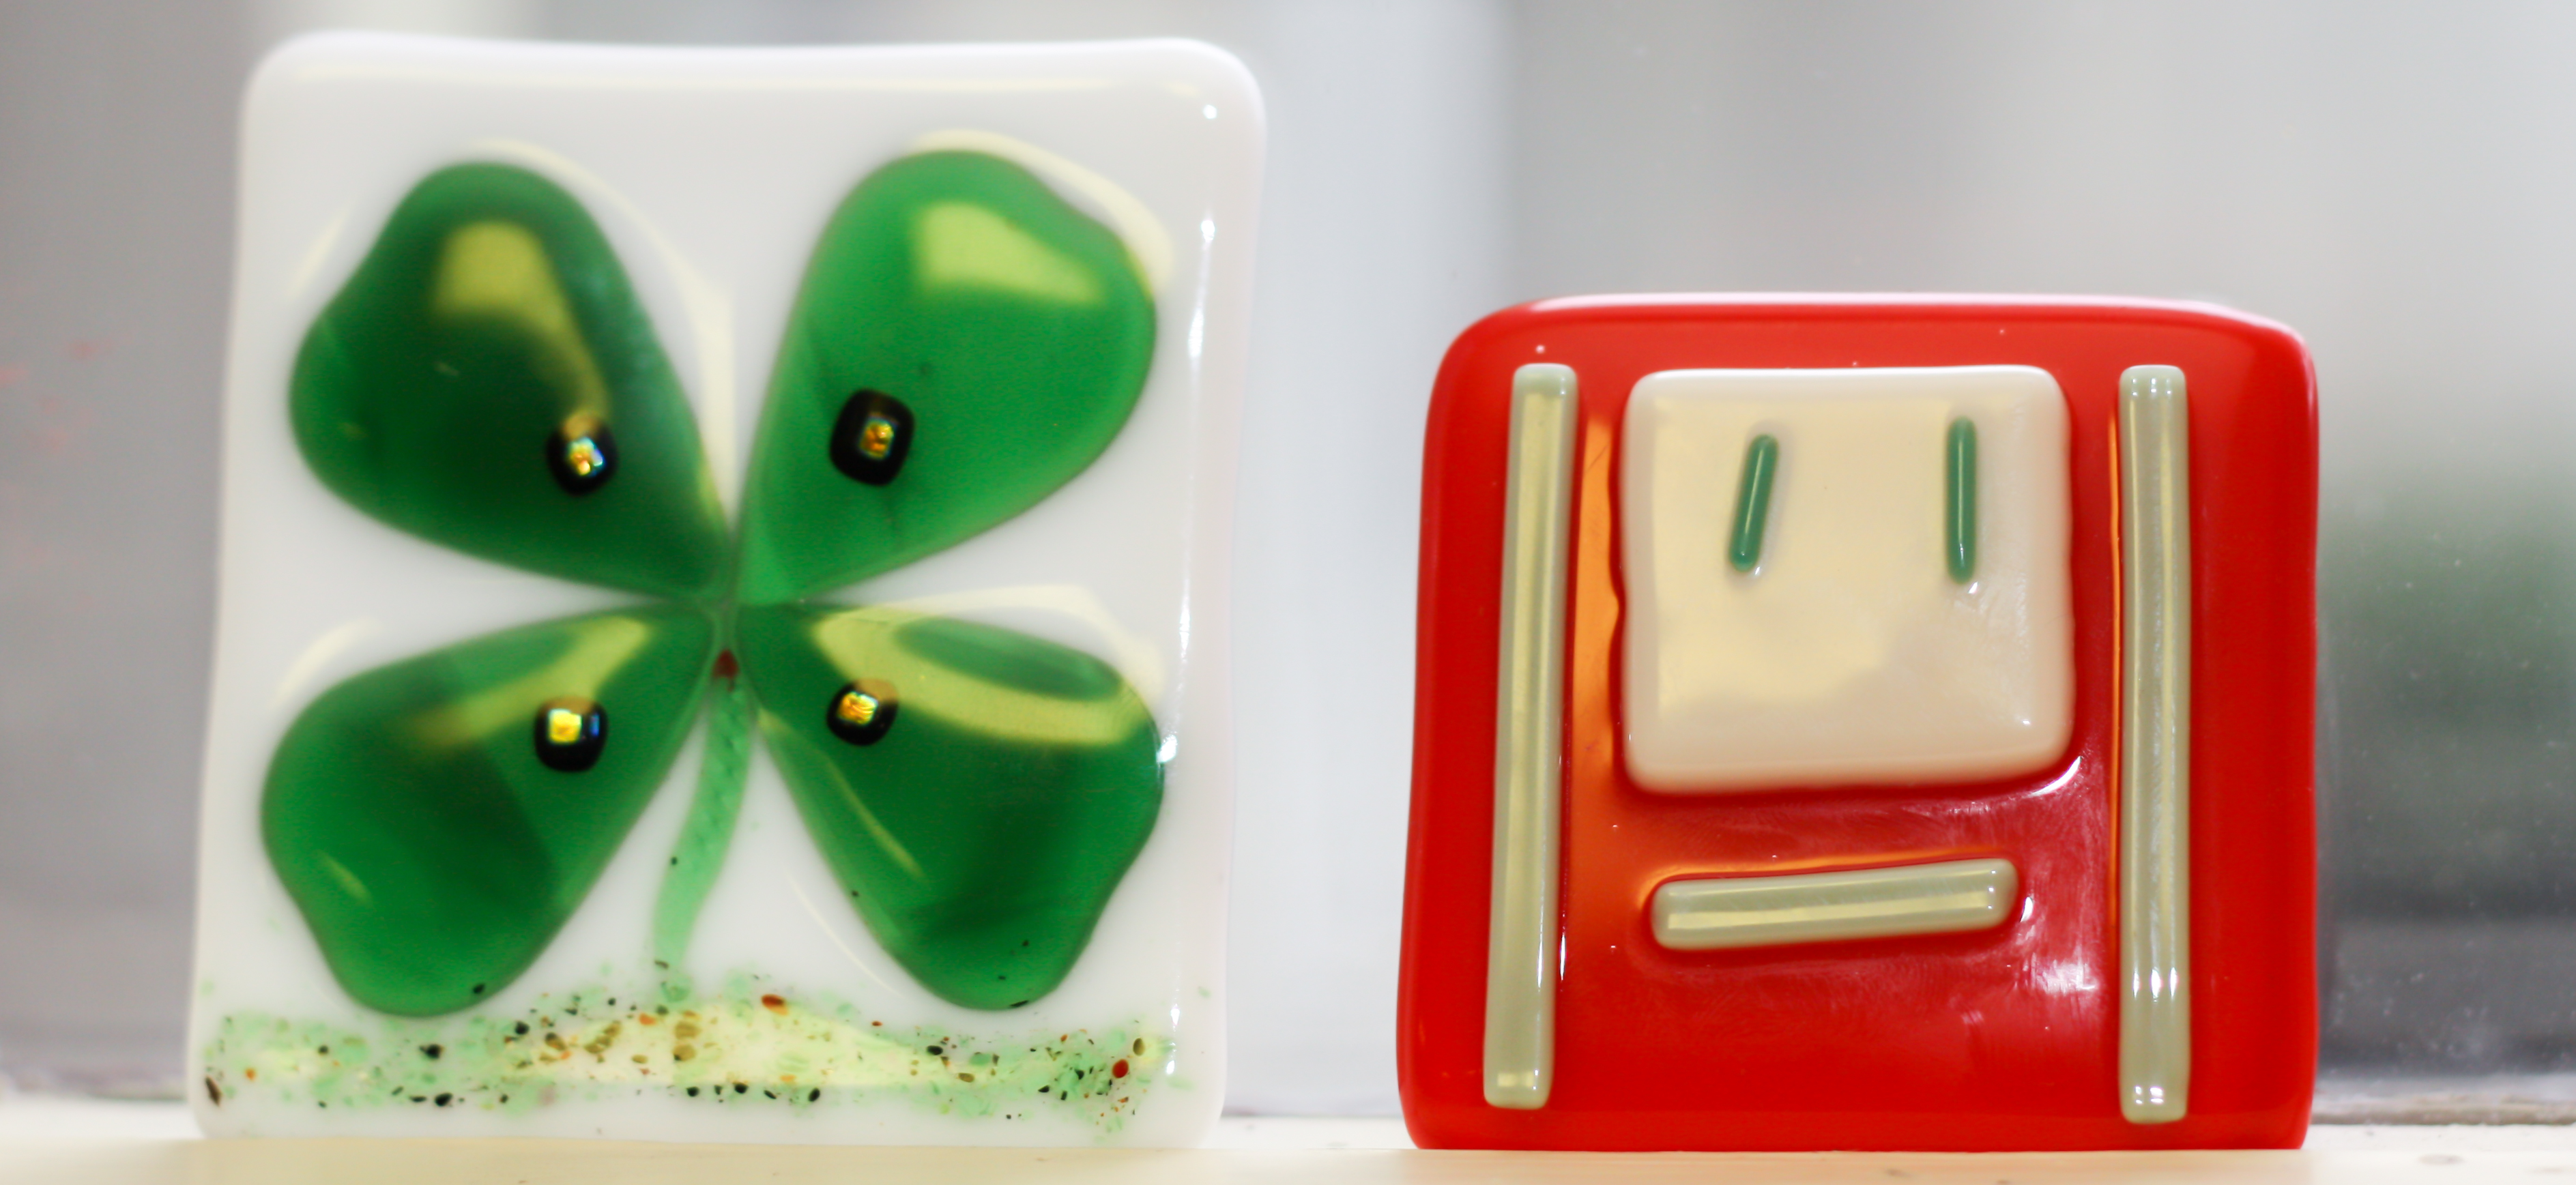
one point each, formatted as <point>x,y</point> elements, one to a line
<point>1753,502</point>
<point>1961,520</point>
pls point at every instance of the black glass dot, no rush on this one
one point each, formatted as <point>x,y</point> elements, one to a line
<point>861,712</point>
<point>581,454</point>
<point>872,437</point>
<point>570,733</point>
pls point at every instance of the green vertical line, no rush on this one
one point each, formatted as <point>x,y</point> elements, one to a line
<point>1961,520</point>
<point>1753,502</point>
<point>700,854</point>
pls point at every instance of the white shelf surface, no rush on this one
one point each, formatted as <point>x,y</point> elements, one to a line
<point>95,1142</point>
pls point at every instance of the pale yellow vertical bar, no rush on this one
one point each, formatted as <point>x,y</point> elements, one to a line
<point>2155,759</point>
<point>1521,955</point>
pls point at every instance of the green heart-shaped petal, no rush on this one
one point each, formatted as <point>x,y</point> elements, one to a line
<point>979,793</point>
<point>488,380</point>
<point>437,819</point>
<point>964,343</point>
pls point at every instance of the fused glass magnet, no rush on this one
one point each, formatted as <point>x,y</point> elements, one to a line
<point>723,594</point>
<point>1864,723</point>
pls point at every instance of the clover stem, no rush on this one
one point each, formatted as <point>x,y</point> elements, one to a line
<point>700,854</point>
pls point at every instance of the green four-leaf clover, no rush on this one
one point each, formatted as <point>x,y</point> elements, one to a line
<point>964,342</point>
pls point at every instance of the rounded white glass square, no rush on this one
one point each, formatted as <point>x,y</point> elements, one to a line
<point>711,173</point>
<point>1848,654</point>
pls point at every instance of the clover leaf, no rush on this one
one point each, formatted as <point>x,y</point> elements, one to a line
<point>963,343</point>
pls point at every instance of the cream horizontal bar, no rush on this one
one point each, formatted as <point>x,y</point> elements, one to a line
<point>1716,913</point>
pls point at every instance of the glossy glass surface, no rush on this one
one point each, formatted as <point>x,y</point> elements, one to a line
<point>981,843</point>
<point>718,981</point>
<point>981,829</point>
<point>464,384</point>
<point>1990,1039</point>
<point>999,336</point>
<point>433,849</point>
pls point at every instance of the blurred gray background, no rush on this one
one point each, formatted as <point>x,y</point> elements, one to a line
<point>2396,182</point>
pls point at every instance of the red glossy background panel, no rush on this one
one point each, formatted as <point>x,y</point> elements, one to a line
<point>1998,1039</point>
